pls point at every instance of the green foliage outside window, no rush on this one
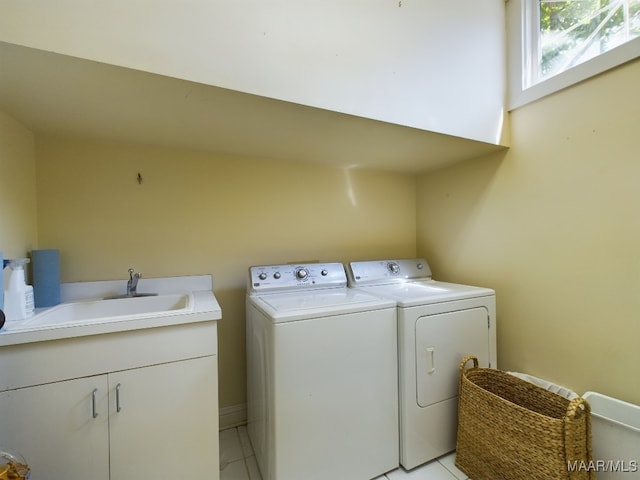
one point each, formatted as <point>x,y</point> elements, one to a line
<point>574,31</point>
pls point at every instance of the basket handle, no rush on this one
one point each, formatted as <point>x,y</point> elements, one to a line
<point>465,360</point>
<point>462,364</point>
<point>578,407</point>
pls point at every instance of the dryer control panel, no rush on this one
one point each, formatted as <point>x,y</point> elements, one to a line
<point>388,271</point>
<point>269,278</point>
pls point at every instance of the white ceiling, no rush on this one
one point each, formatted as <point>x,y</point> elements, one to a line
<point>62,95</point>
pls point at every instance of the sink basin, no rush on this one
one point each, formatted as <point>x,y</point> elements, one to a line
<point>108,310</point>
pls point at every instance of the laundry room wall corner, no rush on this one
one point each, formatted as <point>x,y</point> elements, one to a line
<point>550,227</point>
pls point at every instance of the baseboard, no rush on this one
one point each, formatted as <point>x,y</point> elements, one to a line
<point>233,416</point>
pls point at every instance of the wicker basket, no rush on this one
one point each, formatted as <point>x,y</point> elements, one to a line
<point>511,429</point>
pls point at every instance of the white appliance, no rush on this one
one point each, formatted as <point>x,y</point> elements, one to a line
<point>322,381</point>
<point>438,324</point>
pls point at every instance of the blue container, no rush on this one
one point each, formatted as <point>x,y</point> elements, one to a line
<point>45,265</point>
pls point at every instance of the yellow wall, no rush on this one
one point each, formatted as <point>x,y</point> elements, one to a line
<point>553,226</point>
<point>18,228</point>
<point>201,213</point>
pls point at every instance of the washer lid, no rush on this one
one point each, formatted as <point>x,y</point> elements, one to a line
<point>409,294</point>
<point>290,306</point>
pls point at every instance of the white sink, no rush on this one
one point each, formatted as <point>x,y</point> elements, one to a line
<point>96,311</point>
<point>95,308</point>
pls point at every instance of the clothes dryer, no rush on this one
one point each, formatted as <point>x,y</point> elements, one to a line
<point>438,324</point>
<point>321,375</point>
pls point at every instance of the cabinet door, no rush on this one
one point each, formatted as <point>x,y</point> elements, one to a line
<point>167,423</point>
<point>54,428</point>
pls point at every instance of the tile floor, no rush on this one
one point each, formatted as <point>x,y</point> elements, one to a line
<point>237,462</point>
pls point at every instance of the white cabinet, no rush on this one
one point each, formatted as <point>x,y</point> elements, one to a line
<point>53,427</point>
<point>120,406</point>
<point>166,426</point>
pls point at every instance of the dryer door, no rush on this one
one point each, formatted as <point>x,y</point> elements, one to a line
<point>442,340</point>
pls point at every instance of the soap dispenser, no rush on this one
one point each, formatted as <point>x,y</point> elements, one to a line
<point>18,298</point>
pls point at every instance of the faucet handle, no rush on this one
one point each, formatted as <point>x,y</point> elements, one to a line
<point>132,275</point>
<point>132,283</point>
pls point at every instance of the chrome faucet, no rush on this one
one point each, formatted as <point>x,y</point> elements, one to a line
<point>132,283</point>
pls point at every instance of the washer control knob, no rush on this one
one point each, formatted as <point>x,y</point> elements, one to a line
<point>277,275</point>
<point>324,273</point>
<point>394,268</point>
<point>262,276</point>
<point>420,266</point>
<point>302,274</point>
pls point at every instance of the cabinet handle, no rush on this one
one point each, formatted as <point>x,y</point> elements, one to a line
<point>118,406</point>
<point>93,402</point>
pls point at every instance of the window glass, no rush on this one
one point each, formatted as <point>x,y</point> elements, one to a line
<point>574,31</point>
<point>553,44</point>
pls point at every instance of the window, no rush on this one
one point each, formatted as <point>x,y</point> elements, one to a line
<point>572,32</point>
<point>565,41</point>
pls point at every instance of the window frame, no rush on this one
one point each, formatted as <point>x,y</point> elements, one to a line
<point>523,29</point>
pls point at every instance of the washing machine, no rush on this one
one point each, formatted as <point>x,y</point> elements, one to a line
<point>322,375</point>
<point>438,324</point>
